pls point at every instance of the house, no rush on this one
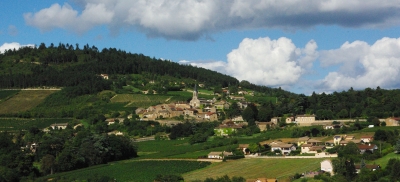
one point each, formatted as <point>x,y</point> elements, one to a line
<point>305,148</point>
<point>314,142</point>
<point>211,116</point>
<point>242,92</point>
<point>163,114</point>
<point>371,167</point>
<point>237,118</point>
<point>275,120</point>
<point>190,112</point>
<point>345,142</point>
<point>263,126</point>
<point>331,127</point>
<point>367,139</point>
<point>242,104</point>
<point>289,120</point>
<point>326,165</point>
<point>392,121</point>
<point>305,119</point>
<point>285,148</point>
<point>104,76</point>
<point>221,105</point>
<point>219,155</point>
<point>110,121</point>
<point>337,139</point>
<point>310,148</point>
<point>150,114</point>
<point>115,132</point>
<point>59,126</point>
<point>237,98</point>
<point>364,148</point>
<point>244,148</point>
<point>176,112</point>
<point>262,180</point>
<point>302,140</point>
<point>329,143</point>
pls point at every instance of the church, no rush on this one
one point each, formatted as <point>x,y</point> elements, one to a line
<point>195,102</point>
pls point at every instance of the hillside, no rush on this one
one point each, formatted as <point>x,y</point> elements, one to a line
<point>78,71</point>
<point>65,65</point>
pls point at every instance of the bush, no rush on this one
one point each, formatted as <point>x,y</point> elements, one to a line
<point>233,157</point>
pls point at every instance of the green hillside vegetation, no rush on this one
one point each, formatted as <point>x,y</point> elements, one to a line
<point>24,100</point>
<point>5,94</point>
<point>130,170</point>
<point>18,124</point>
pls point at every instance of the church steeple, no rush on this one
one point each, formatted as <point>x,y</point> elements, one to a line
<point>195,92</point>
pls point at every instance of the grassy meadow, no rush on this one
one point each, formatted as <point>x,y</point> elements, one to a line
<point>256,168</point>
<point>384,160</point>
<point>24,100</point>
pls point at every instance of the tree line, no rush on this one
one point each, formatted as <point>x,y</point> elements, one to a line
<point>66,66</point>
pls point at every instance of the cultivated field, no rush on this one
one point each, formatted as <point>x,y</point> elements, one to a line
<point>140,100</point>
<point>24,100</point>
<point>256,168</point>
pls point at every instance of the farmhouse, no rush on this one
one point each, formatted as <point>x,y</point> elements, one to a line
<point>219,155</point>
<point>261,180</point>
<point>392,121</point>
<point>301,119</point>
<point>365,148</point>
<point>284,148</point>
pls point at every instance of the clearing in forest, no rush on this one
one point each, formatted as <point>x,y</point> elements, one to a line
<point>24,100</point>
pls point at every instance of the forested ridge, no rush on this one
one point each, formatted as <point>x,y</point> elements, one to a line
<point>68,65</point>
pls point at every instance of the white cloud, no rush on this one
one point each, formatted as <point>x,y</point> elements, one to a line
<point>66,17</point>
<point>266,62</point>
<point>13,45</point>
<point>363,65</point>
<point>192,19</point>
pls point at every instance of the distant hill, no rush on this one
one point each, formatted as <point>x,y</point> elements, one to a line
<point>66,65</point>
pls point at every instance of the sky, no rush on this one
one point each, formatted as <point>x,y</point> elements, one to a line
<point>302,46</point>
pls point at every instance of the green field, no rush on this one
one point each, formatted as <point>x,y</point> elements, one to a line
<point>384,160</point>
<point>4,94</point>
<point>131,170</point>
<point>256,168</point>
<point>189,94</point>
<point>17,124</point>
<point>175,149</point>
<point>24,100</point>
